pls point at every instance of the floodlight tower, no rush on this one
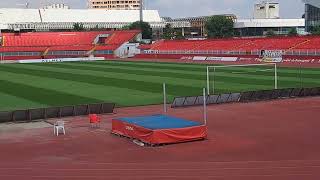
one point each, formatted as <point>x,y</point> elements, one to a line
<point>141,10</point>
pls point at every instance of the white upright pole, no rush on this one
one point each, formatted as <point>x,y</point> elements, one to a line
<point>204,106</point>
<point>164,99</point>
<point>208,81</point>
<point>275,76</point>
<point>141,11</point>
<point>213,81</point>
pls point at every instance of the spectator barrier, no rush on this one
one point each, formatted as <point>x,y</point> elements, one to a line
<point>55,112</point>
<point>250,96</point>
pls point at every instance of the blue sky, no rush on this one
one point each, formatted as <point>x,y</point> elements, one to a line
<point>187,8</point>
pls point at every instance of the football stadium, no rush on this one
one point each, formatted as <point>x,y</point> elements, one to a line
<point>116,91</point>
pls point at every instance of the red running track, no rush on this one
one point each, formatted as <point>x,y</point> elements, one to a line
<point>275,140</point>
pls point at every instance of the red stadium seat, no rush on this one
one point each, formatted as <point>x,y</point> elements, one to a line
<point>65,38</point>
<point>120,37</point>
<point>63,44</point>
<point>244,44</point>
<point>51,39</point>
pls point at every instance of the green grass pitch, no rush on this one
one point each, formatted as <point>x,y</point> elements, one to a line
<point>24,86</point>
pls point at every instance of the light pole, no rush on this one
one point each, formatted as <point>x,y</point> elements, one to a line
<point>141,11</point>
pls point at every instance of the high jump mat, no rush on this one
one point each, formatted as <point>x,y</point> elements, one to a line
<point>159,129</point>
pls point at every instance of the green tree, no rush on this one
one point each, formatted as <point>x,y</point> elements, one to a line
<point>178,35</point>
<point>270,33</point>
<point>78,27</point>
<point>292,32</point>
<point>315,30</point>
<point>144,27</point>
<point>219,27</point>
<point>168,32</point>
<point>126,27</point>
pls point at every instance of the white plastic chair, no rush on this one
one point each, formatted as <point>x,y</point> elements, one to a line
<point>59,125</point>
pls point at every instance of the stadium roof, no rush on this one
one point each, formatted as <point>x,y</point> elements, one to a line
<point>9,16</point>
<point>262,23</point>
<point>51,19</point>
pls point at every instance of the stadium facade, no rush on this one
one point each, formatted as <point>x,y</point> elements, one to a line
<point>312,14</point>
<point>25,20</point>
<point>266,10</point>
<point>63,19</point>
<point>114,4</point>
<point>56,6</point>
<point>193,26</point>
<point>260,27</point>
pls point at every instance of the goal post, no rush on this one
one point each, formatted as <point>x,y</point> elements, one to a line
<point>213,69</point>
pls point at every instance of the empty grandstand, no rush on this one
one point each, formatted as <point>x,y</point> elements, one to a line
<point>245,44</point>
<point>41,45</point>
<point>300,46</point>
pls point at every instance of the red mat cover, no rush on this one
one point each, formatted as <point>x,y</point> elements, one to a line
<point>159,136</point>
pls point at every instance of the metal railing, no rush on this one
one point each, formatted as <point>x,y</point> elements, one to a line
<point>296,52</point>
